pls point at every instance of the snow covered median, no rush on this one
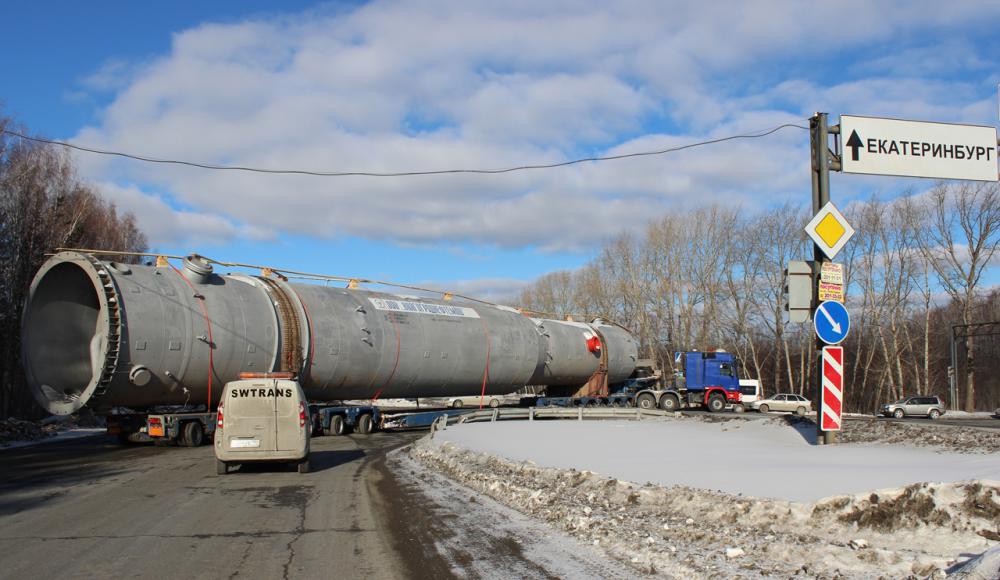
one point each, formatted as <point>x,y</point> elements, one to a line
<point>686,497</point>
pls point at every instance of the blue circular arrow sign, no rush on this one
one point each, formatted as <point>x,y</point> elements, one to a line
<point>832,322</point>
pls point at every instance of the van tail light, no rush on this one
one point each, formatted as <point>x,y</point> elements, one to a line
<point>218,420</point>
<point>302,414</point>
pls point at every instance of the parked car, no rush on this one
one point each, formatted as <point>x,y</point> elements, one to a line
<point>783,402</point>
<point>473,401</point>
<point>917,406</point>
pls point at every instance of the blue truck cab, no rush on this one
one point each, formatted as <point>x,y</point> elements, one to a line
<point>710,379</point>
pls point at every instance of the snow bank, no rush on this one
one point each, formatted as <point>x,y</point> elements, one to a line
<point>685,527</point>
<point>765,459</point>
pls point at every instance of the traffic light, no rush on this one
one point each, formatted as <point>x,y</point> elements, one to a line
<point>798,291</point>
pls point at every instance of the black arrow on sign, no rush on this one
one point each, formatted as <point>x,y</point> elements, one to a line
<point>855,144</point>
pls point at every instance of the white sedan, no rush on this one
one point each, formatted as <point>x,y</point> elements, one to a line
<point>783,402</point>
<point>473,401</point>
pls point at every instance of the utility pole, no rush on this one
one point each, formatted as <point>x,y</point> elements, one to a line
<point>819,132</point>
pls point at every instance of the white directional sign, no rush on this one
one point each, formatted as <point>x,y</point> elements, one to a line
<point>918,149</point>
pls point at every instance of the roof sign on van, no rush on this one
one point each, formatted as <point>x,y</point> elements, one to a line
<point>241,393</point>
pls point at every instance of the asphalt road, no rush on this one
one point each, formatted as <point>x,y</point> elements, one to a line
<point>89,508</point>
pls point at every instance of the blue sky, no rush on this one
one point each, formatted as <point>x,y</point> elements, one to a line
<point>390,86</point>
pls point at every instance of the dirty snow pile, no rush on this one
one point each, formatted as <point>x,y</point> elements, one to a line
<point>15,430</point>
<point>705,515</point>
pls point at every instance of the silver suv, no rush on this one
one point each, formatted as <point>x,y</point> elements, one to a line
<point>917,406</point>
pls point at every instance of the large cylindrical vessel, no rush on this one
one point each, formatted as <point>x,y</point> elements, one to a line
<point>107,334</point>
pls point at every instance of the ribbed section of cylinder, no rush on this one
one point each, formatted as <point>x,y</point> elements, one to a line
<point>139,336</point>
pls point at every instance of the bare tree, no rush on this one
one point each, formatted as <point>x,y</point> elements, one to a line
<point>961,236</point>
<point>43,206</point>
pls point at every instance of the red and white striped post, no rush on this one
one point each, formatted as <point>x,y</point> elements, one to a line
<point>833,388</point>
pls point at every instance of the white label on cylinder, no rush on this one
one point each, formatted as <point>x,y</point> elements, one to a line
<point>423,308</point>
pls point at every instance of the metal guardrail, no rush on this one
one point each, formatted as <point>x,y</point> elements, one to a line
<point>548,413</point>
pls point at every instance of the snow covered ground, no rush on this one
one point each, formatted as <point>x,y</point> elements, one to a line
<point>765,459</point>
<point>700,497</point>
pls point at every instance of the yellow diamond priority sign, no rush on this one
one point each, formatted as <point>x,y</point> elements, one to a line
<point>830,230</point>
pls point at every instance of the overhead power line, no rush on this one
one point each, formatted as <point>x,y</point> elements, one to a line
<point>755,135</point>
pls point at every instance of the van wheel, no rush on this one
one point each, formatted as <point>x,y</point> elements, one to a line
<point>337,425</point>
<point>364,424</point>
<point>304,466</point>
<point>192,434</point>
<point>221,467</point>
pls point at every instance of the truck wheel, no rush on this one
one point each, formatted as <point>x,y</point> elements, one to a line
<point>898,413</point>
<point>192,434</point>
<point>317,426</point>
<point>764,408</point>
<point>221,467</point>
<point>364,424</point>
<point>934,414</point>
<point>716,403</point>
<point>304,466</point>
<point>337,425</point>
<point>801,411</point>
<point>669,403</point>
<point>646,401</point>
<point>456,404</point>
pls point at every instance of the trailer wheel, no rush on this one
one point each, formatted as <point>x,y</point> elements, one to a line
<point>304,466</point>
<point>364,424</point>
<point>716,403</point>
<point>646,401</point>
<point>669,403</point>
<point>192,434</point>
<point>337,425</point>
<point>221,467</point>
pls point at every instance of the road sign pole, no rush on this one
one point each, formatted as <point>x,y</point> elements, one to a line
<point>819,133</point>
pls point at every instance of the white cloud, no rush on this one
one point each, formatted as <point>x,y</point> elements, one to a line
<point>393,86</point>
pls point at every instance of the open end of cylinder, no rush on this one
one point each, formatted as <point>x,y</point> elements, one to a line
<point>63,339</point>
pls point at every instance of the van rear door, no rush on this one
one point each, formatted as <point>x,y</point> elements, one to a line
<point>287,431</point>
<point>250,424</point>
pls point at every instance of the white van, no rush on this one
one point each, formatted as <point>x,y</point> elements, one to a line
<point>262,418</point>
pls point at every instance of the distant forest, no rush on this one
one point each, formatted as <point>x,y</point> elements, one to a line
<point>712,279</point>
<point>43,206</point>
